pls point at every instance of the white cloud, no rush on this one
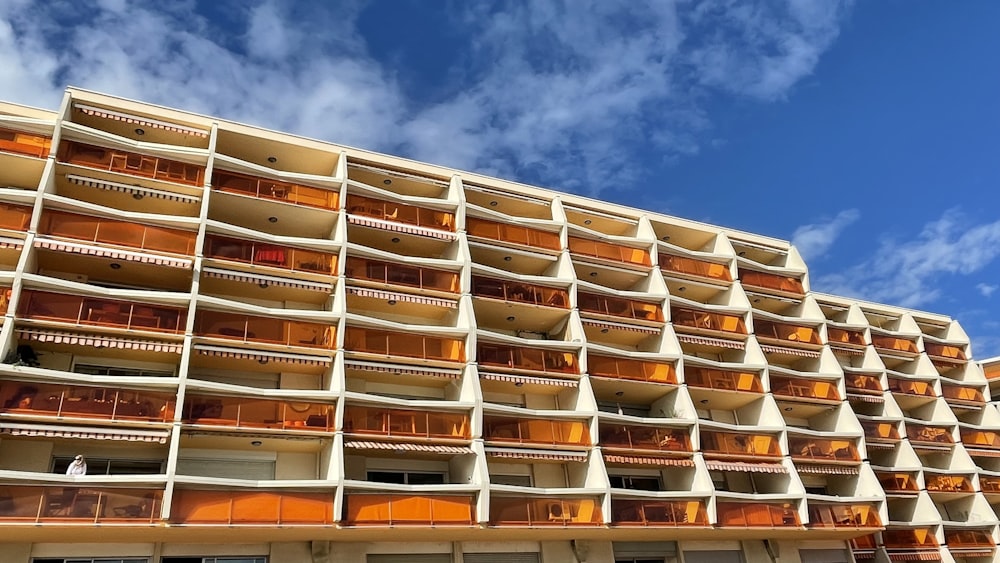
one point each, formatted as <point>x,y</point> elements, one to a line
<point>814,240</point>
<point>987,289</point>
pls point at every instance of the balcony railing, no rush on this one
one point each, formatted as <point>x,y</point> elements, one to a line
<point>512,234</point>
<point>948,483</point>
<point>962,394</point>
<point>617,307</point>
<point>504,430</point>
<point>690,266</point>
<point>28,144</point>
<point>927,434</point>
<point>723,380</point>
<point>979,539</point>
<point>786,332</point>
<point>257,507</point>
<point>863,384</point>
<point>912,387</point>
<point>893,344</point>
<point>644,439</point>
<point>528,359</point>
<point>725,445</point>
<point>103,403</point>
<point>15,217</point>
<point>632,370</point>
<point>989,483</point>
<point>918,538</point>
<point>404,345</point>
<point>517,292</point>
<point>117,233</point>
<point>757,515</point>
<point>799,388</point>
<point>992,372</point>
<point>776,282</point>
<point>92,311</point>
<point>367,509</point>
<point>701,320</point>
<point>844,336</point>
<point>262,188</point>
<point>264,330</point>
<point>824,450</point>
<point>95,504</point>
<point>270,255</point>
<point>246,412</point>
<point>400,213</point>
<point>944,352</point>
<point>399,423</point>
<point>653,513</point>
<point>898,482</point>
<point>981,438</point>
<point>552,511</point>
<point>131,163</point>
<point>843,516</point>
<point>610,252</point>
<point>876,431</point>
<point>401,274</point>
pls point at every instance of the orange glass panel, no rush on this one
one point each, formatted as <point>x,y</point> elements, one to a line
<point>897,482</point>
<point>823,449</point>
<point>104,403</point>
<point>131,163</point>
<point>965,538</point>
<point>398,423</point>
<point>723,379</point>
<point>844,336</point>
<point>929,434</point>
<point>981,438</point>
<point>643,512</point>
<point>843,516</point>
<point>518,292</point>
<point>15,217</point>
<point>944,351</point>
<point>863,383</point>
<point>28,144</point>
<point>863,542</point>
<point>401,274</point>
<point>270,255</point>
<point>262,188</point>
<point>251,507</point>
<point>989,483</point>
<point>715,444</point>
<point>959,393</point>
<point>894,344</point>
<point>4,300</point>
<point>268,330</point>
<point>690,266</point>
<point>384,343</point>
<point>912,387</point>
<point>786,332</point>
<point>909,538</point>
<point>644,438</point>
<point>400,213</point>
<point>535,431</point>
<point>79,505</point>
<point>634,370</point>
<point>772,281</point>
<point>801,388</point>
<point>256,413</point>
<point>529,359</point>
<point>553,511</point>
<point>617,307</point>
<point>753,515</point>
<point>701,320</point>
<point>401,509</point>
<point>76,309</point>
<point>609,252</point>
<point>948,483</point>
<point>117,233</point>
<point>880,431</point>
<point>992,371</point>
<point>514,234</point>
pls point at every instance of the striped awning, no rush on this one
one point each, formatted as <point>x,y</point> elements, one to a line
<point>98,341</point>
<point>143,121</point>
<point>131,189</point>
<point>400,227</point>
<point>864,555</point>
<point>914,556</point>
<point>865,398</point>
<point>717,342</point>
<point>826,469</point>
<point>983,453</point>
<point>261,355</point>
<point>846,350</point>
<point>880,445</point>
<point>620,326</point>
<point>114,254</point>
<point>769,349</point>
<point>716,465</point>
<point>428,448</point>
<point>971,552</point>
<point>87,433</point>
<point>395,296</point>
<point>646,460</point>
<point>402,370</point>
<point>538,455</point>
<point>9,242</point>
<point>262,280</point>
<point>524,380</point>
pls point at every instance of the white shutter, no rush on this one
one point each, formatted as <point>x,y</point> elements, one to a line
<point>714,556</point>
<point>509,557</point>
<point>409,558</point>
<point>645,549</point>
<point>824,555</point>
<point>252,469</point>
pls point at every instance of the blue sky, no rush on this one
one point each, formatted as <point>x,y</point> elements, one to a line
<point>867,133</point>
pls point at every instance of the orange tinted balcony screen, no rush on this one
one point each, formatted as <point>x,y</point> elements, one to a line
<point>702,321</point>
<point>529,359</point>
<point>4,299</point>
<point>15,217</point>
<point>513,234</point>
<point>690,266</point>
<point>981,438</point>
<point>989,483</point>
<point>270,255</point>
<point>776,282</point>
<point>928,434</point>
<point>723,380</point>
<point>894,344</point>
<point>863,383</point>
<point>96,505</point>
<point>863,542</point>
<point>265,330</point>
<point>880,431</point>
<point>400,213</point>
<point>992,371</point>
<point>384,343</point>
<point>535,432</point>
<point>844,336</point>
<point>247,412</point>
<point>961,394</point>
<point>633,370</point>
<point>518,292</point>
<point>262,188</point>
<point>401,274</point>
<point>609,252</point>
<point>948,483</point>
<point>251,507</point>
<point>799,388</point>
<point>966,539</point>
<point>91,311</point>
<point>644,438</point>
<point>553,511</point>
<point>724,445</point>
<point>944,351</point>
<point>843,516</point>
<point>101,403</point>
<point>757,515</point>
<point>27,144</point>
<point>643,512</point>
<point>131,163</point>
<point>912,387</point>
<point>896,482</point>
<point>909,538</point>
<point>826,450</point>
<point>786,332</point>
<point>402,509</point>
<point>617,307</point>
<point>118,233</point>
<point>398,423</point>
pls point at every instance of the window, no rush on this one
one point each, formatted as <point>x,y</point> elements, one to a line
<point>635,482</point>
<point>120,371</point>
<point>91,560</point>
<point>714,556</point>
<point>645,552</point>
<point>515,480</point>
<point>407,477</point>
<point>212,560</point>
<point>99,466</point>
<point>619,408</point>
<point>719,480</point>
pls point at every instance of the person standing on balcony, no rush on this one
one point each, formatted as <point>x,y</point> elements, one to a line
<point>77,467</point>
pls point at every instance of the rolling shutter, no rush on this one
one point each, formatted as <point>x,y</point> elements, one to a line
<point>409,558</point>
<point>714,557</point>
<point>508,557</point>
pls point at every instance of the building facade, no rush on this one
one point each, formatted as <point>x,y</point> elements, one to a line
<point>271,349</point>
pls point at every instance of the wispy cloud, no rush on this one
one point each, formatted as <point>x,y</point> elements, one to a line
<point>815,239</point>
<point>986,289</point>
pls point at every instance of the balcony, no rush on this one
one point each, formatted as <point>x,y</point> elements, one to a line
<point>740,446</point>
<point>699,321</point>
<point>256,507</point>
<point>963,396</point>
<point>948,483</point>
<point>898,483</point>
<point>988,439</point>
<point>843,516</point>
<point>270,255</point>
<point>945,352</point>
<point>912,387</point>
<point>989,484</point>
<point>246,412</point>
<point>786,333</point>
<point>93,505</point>
<point>880,432</point>
<point>911,539</point>
<point>404,345</point>
<point>264,330</point>
<point>262,188</point>
<point>400,213</point>
<point>27,144</point>
<point>619,308</point>
<point>775,282</point>
<point>520,358</point>
<point>74,401</point>
<point>644,439</point>
<point>631,370</point>
<point>863,384</point>
<point>92,311</point>
<point>406,424</point>
<point>893,344</point>
<point>656,513</point>
<point>845,336</point>
<point>723,380</point>
<point>552,511</point>
<point>927,434</point>
<point>364,509</point>
<point>757,515</point>
<point>133,164</point>
<point>512,234</point>
<point>804,389</point>
<point>698,268</point>
<point>517,292</point>
<point>823,450</point>
<point>970,542</point>
<point>606,252</point>
<point>116,233</point>
<point>15,217</point>
<point>544,433</point>
<point>388,274</point>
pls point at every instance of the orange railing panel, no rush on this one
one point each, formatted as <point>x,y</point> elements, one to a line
<point>618,307</point>
<point>644,438</point>
<point>553,511</point>
<point>912,387</point>
<point>400,213</point>
<point>801,388</point>
<point>981,438</point>
<point>529,359</point>
<point>880,431</point>
<point>894,344</point>
<point>928,434</point>
<point>118,233</point>
<point>948,483</point>
<point>786,332</point>
<point>535,431</point>
<point>723,380</point>
<point>909,538</point>
<point>959,538</point>
<point>609,252</point>
<point>518,292</point>
<point>251,507</point>
<point>633,370</point>
<point>753,515</point>
<point>262,188</point>
<point>989,483</point>
<point>844,336</point>
<point>93,504</point>
<point>691,266</point>
<point>15,217</point>
<point>513,234</point>
<point>701,320</point>
<point>823,449</point>
<point>402,509</point>
<point>270,255</point>
<point>92,311</point>
<point>963,394</point>
<point>863,383</point>
<point>777,282</point>
<point>28,144</point>
<point>401,274</point>
<point>399,423</point>
<point>718,444</point>
<point>266,330</point>
<point>246,412</point>
<point>384,343</point>
<point>843,516</point>
<point>105,403</point>
<point>898,482</point>
<point>642,512</point>
<point>945,351</point>
<point>131,163</point>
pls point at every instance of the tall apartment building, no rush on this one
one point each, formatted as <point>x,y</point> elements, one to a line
<point>271,349</point>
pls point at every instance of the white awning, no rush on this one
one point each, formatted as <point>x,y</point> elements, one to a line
<point>261,355</point>
<point>529,380</point>
<point>143,121</point>
<point>131,189</point>
<point>767,348</point>
<point>405,297</point>
<point>98,341</point>
<point>10,242</point>
<point>402,369</point>
<point>707,341</point>
<point>114,254</point>
<point>86,433</point>
<point>263,280</point>
<point>620,326</point>
<point>742,466</point>
<point>394,446</point>
<point>541,455</point>
<point>400,227</point>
